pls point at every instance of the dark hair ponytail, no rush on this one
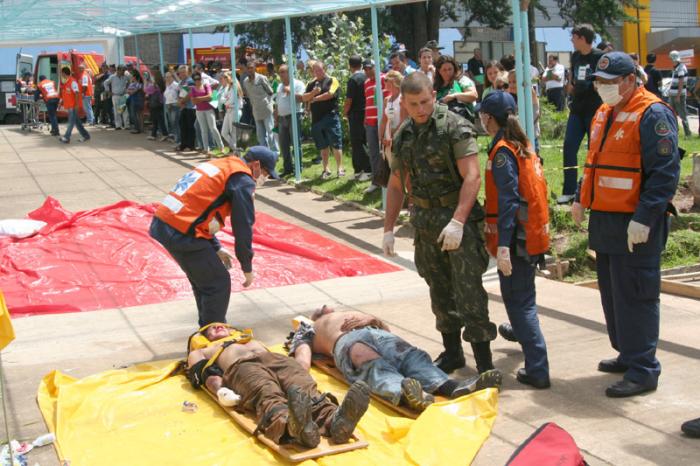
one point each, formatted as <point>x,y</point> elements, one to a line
<point>514,133</point>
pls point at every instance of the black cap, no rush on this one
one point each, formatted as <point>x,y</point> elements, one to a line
<point>433,44</point>
<point>266,157</point>
<point>497,103</point>
<point>614,64</point>
<point>367,63</point>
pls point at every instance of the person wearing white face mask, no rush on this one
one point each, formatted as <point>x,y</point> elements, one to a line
<point>631,174</point>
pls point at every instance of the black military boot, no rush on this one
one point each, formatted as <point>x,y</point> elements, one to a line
<point>453,356</point>
<point>482,356</point>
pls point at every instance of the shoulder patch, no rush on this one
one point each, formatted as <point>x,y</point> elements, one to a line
<point>662,128</point>
<point>664,147</point>
<point>499,160</point>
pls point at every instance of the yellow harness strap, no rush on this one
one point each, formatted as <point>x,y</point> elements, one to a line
<point>236,336</point>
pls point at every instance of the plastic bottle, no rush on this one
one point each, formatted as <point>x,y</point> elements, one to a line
<point>45,439</point>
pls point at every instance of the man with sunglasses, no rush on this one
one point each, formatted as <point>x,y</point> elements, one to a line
<point>630,177</point>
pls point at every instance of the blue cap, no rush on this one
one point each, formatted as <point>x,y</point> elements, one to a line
<point>613,65</point>
<point>266,157</point>
<point>499,104</point>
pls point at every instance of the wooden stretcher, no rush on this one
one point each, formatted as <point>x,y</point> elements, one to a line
<point>291,452</point>
<point>327,365</point>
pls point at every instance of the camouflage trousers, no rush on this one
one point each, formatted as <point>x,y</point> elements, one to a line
<point>457,295</point>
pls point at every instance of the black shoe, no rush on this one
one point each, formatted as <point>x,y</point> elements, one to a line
<point>453,357</point>
<point>613,366</point>
<point>489,379</point>
<point>412,394</point>
<point>349,413</point>
<point>482,356</point>
<point>300,424</point>
<point>506,331</point>
<point>692,428</point>
<point>316,161</point>
<point>625,388</point>
<point>526,379</point>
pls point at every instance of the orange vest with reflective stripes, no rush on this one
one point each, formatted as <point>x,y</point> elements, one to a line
<point>86,87</point>
<point>533,214</point>
<point>197,200</point>
<point>612,176</point>
<point>48,90</point>
<point>70,98</point>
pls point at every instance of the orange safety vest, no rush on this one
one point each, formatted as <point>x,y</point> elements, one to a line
<point>70,98</point>
<point>48,90</point>
<point>197,198</point>
<point>612,177</point>
<point>532,187</point>
<point>86,87</point>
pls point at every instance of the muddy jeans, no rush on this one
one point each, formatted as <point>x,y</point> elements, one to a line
<point>262,382</point>
<point>399,360</point>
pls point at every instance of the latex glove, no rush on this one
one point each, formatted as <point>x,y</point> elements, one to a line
<point>249,277</point>
<point>451,235</point>
<point>227,397</point>
<point>578,213</point>
<point>636,234</point>
<point>388,244</point>
<point>225,257</point>
<point>503,261</point>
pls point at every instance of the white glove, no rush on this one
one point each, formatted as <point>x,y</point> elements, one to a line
<point>503,261</point>
<point>388,244</point>
<point>636,233</point>
<point>227,397</point>
<point>214,226</point>
<point>249,277</point>
<point>225,257</point>
<point>578,213</point>
<point>451,235</point>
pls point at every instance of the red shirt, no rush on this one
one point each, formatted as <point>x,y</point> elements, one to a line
<point>370,106</point>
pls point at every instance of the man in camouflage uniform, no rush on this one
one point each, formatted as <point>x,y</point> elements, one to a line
<point>435,150</point>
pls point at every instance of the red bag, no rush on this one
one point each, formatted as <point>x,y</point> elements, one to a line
<point>548,445</point>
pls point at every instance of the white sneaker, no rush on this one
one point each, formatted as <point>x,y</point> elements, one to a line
<point>164,138</point>
<point>326,174</point>
<point>364,177</point>
<point>371,188</point>
<point>341,173</point>
<point>151,138</point>
<point>565,199</point>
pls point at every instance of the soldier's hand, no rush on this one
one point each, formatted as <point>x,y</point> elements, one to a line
<point>578,213</point>
<point>503,261</point>
<point>451,235</point>
<point>225,257</point>
<point>249,277</point>
<point>388,244</point>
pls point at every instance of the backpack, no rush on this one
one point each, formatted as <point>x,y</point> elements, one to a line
<point>548,445</point>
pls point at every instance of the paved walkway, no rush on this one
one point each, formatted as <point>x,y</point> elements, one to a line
<point>118,165</point>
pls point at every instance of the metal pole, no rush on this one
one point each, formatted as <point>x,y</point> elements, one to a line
<point>234,80</point>
<point>378,94</point>
<point>120,50</point>
<point>517,42</point>
<point>527,81</point>
<point>189,31</point>
<point>160,53</point>
<point>291,64</point>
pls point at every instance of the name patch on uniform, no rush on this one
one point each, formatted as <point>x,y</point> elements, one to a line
<point>662,128</point>
<point>499,160</point>
<point>664,147</point>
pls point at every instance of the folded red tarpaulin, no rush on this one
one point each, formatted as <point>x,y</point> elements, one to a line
<point>104,258</point>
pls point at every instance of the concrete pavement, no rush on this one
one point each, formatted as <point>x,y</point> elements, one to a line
<point>117,165</point>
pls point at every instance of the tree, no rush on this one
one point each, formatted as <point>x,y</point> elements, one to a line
<point>601,14</point>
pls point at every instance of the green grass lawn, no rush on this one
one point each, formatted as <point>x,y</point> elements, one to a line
<point>569,241</point>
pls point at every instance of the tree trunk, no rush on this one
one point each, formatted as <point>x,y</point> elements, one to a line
<point>424,21</point>
<point>277,40</point>
<point>433,20</point>
<point>534,58</point>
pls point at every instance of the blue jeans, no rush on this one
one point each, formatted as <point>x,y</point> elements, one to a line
<point>87,106</point>
<point>51,108</point>
<point>263,130</point>
<point>73,120</point>
<point>399,360</point>
<point>375,158</point>
<point>576,127</point>
<point>172,120</point>
<point>518,292</point>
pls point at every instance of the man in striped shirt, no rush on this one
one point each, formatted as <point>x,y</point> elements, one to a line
<point>371,120</point>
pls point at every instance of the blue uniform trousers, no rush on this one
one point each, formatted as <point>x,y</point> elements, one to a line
<point>518,292</point>
<point>629,291</point>
<point>211,282</point>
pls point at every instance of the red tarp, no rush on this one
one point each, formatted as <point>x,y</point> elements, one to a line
<point>104,258</point>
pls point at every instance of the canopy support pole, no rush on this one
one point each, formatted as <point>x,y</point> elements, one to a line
<point>522,67</point>
<point>189,31</point>
<point>160,53</point>
<point>378,94</point>
<point>291,72</point>
<point>120,50</point>
<point>234,79</point>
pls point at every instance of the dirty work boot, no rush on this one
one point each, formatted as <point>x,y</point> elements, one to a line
<point>300,424</point>
<point>457,388</point>
<point>349,413</point>
<point>482,356</point>
<point>412,394</point>
<point>453,356</point>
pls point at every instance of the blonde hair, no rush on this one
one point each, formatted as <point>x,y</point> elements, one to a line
<point>501,81</point>
<point>394,77</point>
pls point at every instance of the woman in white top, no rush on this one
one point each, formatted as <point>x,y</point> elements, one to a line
<point>228,130</point>
<point>393,110</point>
<point>172,110</point>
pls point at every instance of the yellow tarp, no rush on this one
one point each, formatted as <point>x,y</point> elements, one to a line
<point>133,417</point>
<point>7,332</point>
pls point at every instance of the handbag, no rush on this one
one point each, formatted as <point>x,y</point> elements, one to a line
<point>383,171</point>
